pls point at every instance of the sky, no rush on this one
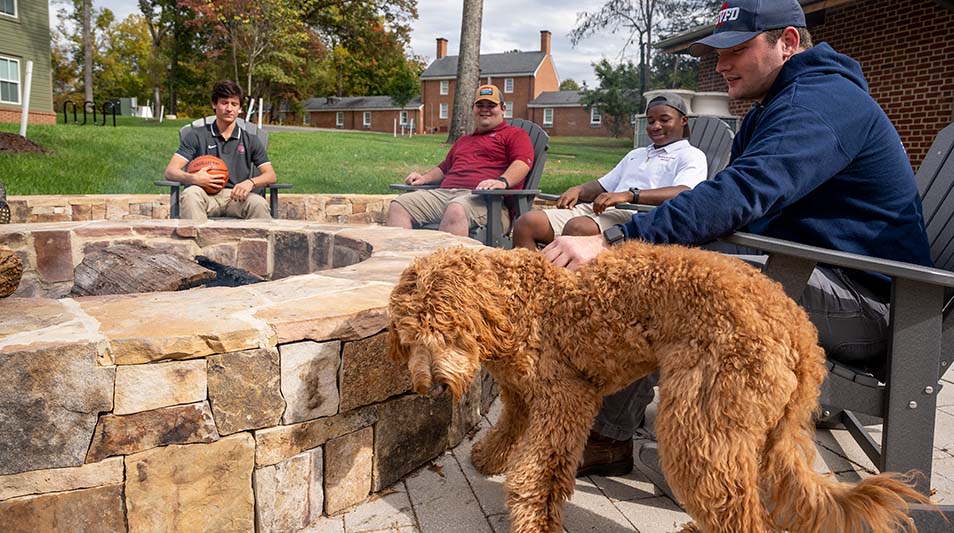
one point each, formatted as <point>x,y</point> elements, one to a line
<point>507,25</point>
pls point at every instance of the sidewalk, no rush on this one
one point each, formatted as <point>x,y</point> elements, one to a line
<point>449,496</point>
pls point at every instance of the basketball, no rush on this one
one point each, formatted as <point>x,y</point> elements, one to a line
<point>214,166</point>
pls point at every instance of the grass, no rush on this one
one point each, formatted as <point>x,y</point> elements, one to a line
<point>126,159</point>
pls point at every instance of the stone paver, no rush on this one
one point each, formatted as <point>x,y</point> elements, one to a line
<point>449,496</point>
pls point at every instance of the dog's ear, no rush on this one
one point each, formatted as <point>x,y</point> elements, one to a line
<point>397,351</point>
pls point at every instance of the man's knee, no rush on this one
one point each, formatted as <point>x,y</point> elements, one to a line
<point>455,213</point>
<point>581,226</point>
<point>193,201</point>
<point>257,207</point>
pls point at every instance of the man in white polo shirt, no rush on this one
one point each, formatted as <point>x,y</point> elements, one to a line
<point>649,175</point>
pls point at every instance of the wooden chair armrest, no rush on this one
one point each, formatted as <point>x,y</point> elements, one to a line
<point>405,187</point>
<point>887,267</point>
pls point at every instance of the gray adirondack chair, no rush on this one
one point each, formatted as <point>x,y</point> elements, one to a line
<point>519,201</point>
<point>175,187</point>
<point>922,335</point>
<point>709,134</point>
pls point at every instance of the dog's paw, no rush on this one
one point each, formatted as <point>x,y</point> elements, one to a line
<point>485,461</point>
<point>689,527</point>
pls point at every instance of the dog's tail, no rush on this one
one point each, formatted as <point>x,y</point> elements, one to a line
<point>807,501</point>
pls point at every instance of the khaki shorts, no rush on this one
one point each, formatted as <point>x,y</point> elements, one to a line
<point>609,218</point>
<point>428,206</point>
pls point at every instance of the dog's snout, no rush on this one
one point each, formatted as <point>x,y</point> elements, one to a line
<point>437,389</point>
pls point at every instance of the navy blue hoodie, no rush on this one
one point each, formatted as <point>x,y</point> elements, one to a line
<point>818,162</point>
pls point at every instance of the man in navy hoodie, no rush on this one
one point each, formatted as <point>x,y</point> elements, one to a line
<point>815,161</point>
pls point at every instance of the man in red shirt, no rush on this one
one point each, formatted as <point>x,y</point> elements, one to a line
<point>495,156</point>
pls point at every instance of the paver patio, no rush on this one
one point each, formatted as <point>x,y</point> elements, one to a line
<point>449,496</point>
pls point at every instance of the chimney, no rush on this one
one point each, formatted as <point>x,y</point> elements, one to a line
<point>441,47</point>
<point>545,41</point>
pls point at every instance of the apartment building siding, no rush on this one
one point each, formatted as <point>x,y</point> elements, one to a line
<point>26,37</point>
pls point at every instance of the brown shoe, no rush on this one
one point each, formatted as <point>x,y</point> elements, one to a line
<point>604,456</point>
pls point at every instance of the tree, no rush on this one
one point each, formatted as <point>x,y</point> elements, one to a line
<point>617,97</point>
<point>569,84</point>
<point>158,20</point>
<point>468,69</point>
<point>644,20</point>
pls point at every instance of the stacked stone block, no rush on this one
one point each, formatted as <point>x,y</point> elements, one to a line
<point>222,409</point>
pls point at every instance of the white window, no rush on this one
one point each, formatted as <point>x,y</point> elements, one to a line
<point>508,85</point>
<point>9,80</point>
<point>8,7</point>
<point>339,119</point>
<point>508,112</point>
<point>443,111</point>
<point>547,116</point>
<point>445,86</point>
<point>367,119</point>
<point>403,119</point>
<point>594,116</point>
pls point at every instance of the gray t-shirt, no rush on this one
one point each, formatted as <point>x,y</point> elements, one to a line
<point>242,153</point>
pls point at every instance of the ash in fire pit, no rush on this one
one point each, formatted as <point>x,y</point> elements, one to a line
<point>134,268</point>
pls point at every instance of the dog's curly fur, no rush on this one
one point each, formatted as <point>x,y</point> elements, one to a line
<point>739,363</point>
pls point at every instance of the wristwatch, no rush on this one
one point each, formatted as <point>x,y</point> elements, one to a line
<point>635,191</point>
<point>614,235</point>
<point>504,181</point>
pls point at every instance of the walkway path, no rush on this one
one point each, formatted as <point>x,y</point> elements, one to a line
<point>449,496</point>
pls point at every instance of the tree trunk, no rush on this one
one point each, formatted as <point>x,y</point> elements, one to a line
<point>468,70</point>
<point>235,55</point>
<point>88,49</point>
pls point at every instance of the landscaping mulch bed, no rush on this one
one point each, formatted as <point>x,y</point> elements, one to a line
<point>11,143</point>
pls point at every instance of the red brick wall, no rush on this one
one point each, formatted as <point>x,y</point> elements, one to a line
<point>906,51</point>
<point>382,121</point>
<point>36,117</point>
<point>573,121</point>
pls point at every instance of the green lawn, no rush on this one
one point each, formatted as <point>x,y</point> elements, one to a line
<point>126,159</point>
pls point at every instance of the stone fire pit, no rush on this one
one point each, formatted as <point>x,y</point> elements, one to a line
<point>222,409</point>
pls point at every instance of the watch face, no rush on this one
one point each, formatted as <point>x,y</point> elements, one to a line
<point>613,235</point>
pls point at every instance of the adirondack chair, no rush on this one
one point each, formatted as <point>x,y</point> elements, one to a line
<point>922,335</point>
<point>519,201</point>
<point>251,129</point>
<point>709,134</point>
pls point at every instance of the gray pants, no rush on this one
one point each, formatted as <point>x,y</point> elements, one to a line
<point>852,324</point>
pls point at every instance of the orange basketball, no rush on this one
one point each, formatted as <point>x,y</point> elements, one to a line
<point>214,166</point>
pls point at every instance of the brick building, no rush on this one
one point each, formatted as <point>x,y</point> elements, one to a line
<point>520,76</point>
<point>561,113</point>
<point>371,113</point>
<point>906,51</point>
<point>25,36</point>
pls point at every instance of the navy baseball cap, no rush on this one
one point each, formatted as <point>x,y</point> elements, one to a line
<point>742,20</point>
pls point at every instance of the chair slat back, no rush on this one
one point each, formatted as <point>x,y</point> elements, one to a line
<point>714,138</point>
<point>935,179</point>
<point>249,128</point>
<point>540,141</point>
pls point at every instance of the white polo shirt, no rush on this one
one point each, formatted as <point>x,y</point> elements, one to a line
<point>677,163</point>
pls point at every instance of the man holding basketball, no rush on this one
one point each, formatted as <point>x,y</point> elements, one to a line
<point>211,194</point>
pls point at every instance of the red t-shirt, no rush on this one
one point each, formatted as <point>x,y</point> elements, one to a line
<point>483,156</point>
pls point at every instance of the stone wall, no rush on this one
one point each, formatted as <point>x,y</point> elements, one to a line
<point>219,409</point>
<point>334,208</point>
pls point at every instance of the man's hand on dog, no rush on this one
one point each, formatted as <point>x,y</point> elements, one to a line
<point>573,252</point>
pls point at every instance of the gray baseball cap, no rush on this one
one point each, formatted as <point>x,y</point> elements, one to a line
<point>672,100</point>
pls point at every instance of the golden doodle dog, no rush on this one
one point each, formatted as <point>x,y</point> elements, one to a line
<point>739,363</point>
